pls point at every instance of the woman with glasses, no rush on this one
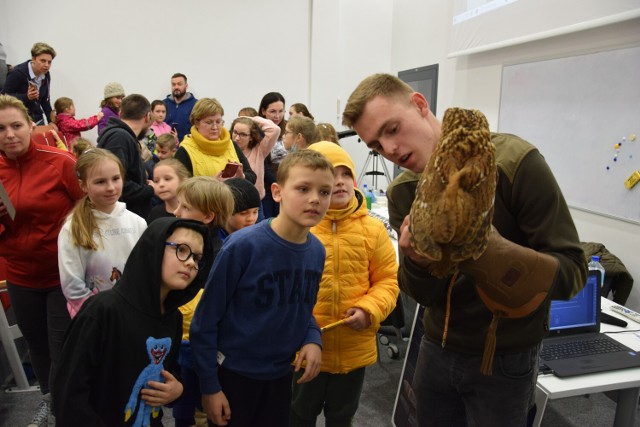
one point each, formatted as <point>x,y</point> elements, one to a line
<point>255,136</point>
<point>209,147</point>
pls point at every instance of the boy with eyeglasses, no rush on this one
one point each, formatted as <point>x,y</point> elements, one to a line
<point>256,310</point>
<point>119,357</point>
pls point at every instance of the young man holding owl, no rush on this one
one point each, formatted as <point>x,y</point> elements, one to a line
<point>532,255</point>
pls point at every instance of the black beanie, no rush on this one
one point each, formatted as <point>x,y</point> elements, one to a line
<point>245,194</point>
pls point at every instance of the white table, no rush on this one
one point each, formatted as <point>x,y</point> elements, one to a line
<point>626,381</point>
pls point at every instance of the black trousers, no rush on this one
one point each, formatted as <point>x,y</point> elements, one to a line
<point>43,318</point>
<point>337,394</point>
<point>263,403</point>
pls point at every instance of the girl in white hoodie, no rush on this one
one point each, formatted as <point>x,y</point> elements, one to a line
<point>100,232</point>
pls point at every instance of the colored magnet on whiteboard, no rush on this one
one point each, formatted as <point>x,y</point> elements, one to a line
<point>633,179</point>
<point>616,146</point>
<point>632,137</point>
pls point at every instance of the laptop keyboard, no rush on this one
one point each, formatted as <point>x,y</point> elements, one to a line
<point>567,350</point>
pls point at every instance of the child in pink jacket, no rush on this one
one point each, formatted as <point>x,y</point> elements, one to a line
<point>67,122</point>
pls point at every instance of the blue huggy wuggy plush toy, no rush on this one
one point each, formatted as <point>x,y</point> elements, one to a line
<point>157,349</point>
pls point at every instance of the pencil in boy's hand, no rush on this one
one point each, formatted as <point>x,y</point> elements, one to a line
<point>331,326</point>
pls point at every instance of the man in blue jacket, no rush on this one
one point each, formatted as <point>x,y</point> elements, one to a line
<point>179,105</point>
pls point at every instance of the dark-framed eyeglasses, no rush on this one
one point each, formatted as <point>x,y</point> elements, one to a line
<point>242,134</point>
<point>184,252</point>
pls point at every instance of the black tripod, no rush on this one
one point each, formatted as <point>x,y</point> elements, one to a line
<point>374,172</point>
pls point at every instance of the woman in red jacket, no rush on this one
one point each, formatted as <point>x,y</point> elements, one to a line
<point>42,187</point>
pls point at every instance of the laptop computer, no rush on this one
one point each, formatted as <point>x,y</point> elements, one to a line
<point>575,345</point>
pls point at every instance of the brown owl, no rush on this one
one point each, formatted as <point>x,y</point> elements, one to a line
<point>453,209</point>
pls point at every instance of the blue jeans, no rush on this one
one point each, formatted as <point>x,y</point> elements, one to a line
<point>451,391</point>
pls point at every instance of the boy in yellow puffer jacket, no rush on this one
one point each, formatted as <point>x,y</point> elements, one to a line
<point>359,287</point>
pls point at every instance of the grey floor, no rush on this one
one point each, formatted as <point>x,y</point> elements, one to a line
<point>376,404</point>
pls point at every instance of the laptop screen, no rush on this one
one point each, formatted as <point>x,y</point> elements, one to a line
<point>582,312</point>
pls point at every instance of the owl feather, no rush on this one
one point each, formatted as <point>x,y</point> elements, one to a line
<point>453,209</point>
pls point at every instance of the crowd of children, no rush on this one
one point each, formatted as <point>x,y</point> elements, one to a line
<point>203,306</point>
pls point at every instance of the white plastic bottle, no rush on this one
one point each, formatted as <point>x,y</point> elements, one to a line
<point>595,267</point>
<point>381,199</point>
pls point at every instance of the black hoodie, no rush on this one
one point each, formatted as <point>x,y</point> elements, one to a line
<point>119,138</point>
<point>105,347</point>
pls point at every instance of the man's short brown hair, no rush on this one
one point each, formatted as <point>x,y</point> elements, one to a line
<point>178,75</point>
<point>134,107</point>
<point>384,85</point>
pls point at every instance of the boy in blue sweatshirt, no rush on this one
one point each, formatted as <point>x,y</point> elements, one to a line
<point>256,310</point>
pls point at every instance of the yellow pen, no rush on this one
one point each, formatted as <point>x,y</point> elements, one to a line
<point>331,326</point>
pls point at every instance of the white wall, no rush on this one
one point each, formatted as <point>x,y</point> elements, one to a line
<point>420,37</point>
<point>235,51</point>
<point>350,40</point>
<point>312,52</point>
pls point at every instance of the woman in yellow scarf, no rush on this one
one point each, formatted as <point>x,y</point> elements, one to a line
<point>208,148</point>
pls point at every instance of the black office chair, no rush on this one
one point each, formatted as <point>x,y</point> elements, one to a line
<point>393,330</point>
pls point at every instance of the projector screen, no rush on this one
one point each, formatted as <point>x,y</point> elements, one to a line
<point>481,25</point>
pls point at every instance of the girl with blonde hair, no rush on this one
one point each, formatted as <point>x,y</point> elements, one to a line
<point>100,232</point>
<point>326,132</point>
<point>300,133</point>
<point>168,174</point>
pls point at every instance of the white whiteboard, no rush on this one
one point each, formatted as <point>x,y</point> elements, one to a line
<point>575,110</point>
